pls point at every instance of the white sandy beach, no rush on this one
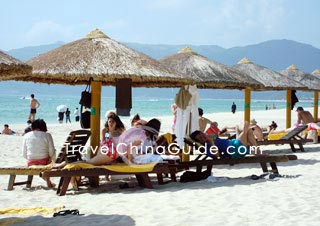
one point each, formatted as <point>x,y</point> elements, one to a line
<point>294,200</point>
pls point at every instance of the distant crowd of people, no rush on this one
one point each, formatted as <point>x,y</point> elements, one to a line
<point>67,112</point>
<point>34,105</point>
<point>268,107</point>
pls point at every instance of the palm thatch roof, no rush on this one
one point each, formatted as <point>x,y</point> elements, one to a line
<point>207,73</point>
<point>311,81</point>
<point>270,79</point>
<point>11,68</point>
<point>103,59</point>
<point>316,72</point>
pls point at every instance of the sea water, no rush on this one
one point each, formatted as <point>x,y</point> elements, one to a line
<point>15,109</point>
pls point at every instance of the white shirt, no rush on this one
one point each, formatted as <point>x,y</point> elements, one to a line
<point>76,112</point>
<point>38,145</point>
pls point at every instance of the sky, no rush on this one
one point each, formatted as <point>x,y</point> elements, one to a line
<point>227,23</point>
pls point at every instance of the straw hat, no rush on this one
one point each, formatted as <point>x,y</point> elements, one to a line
<point>108,113</point>
<point>140,122</point>
<point>253,121</point>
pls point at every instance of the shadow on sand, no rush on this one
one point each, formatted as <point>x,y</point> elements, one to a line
<point>70,220</point>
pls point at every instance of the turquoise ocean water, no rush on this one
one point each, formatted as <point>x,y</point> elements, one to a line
<point>15,109</point>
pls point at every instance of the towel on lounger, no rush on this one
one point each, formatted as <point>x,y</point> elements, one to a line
<point>122,168</point>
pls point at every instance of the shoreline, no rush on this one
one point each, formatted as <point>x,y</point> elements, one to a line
<point>15,110</point>
<point>263,118</point>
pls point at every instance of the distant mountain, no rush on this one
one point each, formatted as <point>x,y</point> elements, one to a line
<point>274,54</point>
<point>278,55</point>
<point>29,52</point>
<point>159,51</point>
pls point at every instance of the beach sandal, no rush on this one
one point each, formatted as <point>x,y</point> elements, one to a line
<point>66,212</point>
<point>124,186</point>
<point>254,177</point>
<point>270,176</point>
<point>264,176</point>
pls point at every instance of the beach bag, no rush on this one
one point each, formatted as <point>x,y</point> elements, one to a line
<point>86,96</point>
<point>85,118</point>
<point>294,99</point>
<point>182,98</point>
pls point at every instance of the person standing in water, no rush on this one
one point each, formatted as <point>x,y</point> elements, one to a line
<point>76,115</point>
<point>34,104</point>
<point>233,108</point>
<point>68,115</point>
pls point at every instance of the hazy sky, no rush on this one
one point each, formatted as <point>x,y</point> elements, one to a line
<point>226,23</point>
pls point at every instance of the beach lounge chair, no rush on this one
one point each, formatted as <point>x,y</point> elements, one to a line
<point>161,169</point>
<point>141,173</point>
<point>76,140</point>
<point>292,138</point>
<point>203,160</point>
<point>69,152</point>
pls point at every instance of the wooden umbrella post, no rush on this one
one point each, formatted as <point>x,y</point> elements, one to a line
<point>315,106</point>
<point>185,154</point>
<point>95,124</point>
<point>247,97</point>
<point>288,109</point>
<point>95,115</point>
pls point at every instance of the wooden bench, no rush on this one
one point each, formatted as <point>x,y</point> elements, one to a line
<point>263,160</point>
<point>69,152</point>
<point>142,177</point>
<point>292,142</point>
<point>202,160</point>
<point>14,171</point>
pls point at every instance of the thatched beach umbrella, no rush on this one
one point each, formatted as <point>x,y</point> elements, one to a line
<point>103,59</point>
<point>108,63</point>
<point>271,80</point>
<point>309,80</point>
<point>207,73</point>
<point>316,73</point>
<point>210,74</point>
<point>13,69</point>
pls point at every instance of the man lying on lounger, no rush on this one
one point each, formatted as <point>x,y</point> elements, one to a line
<point>223,148</point>
<point>304,118</point>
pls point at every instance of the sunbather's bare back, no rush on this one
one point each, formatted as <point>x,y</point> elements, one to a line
<point>305,117</point>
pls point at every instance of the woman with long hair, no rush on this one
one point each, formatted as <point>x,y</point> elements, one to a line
<point>113,127</point>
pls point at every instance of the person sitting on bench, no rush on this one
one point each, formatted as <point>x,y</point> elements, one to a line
<point>38,147</point>
<point>217,148</point>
